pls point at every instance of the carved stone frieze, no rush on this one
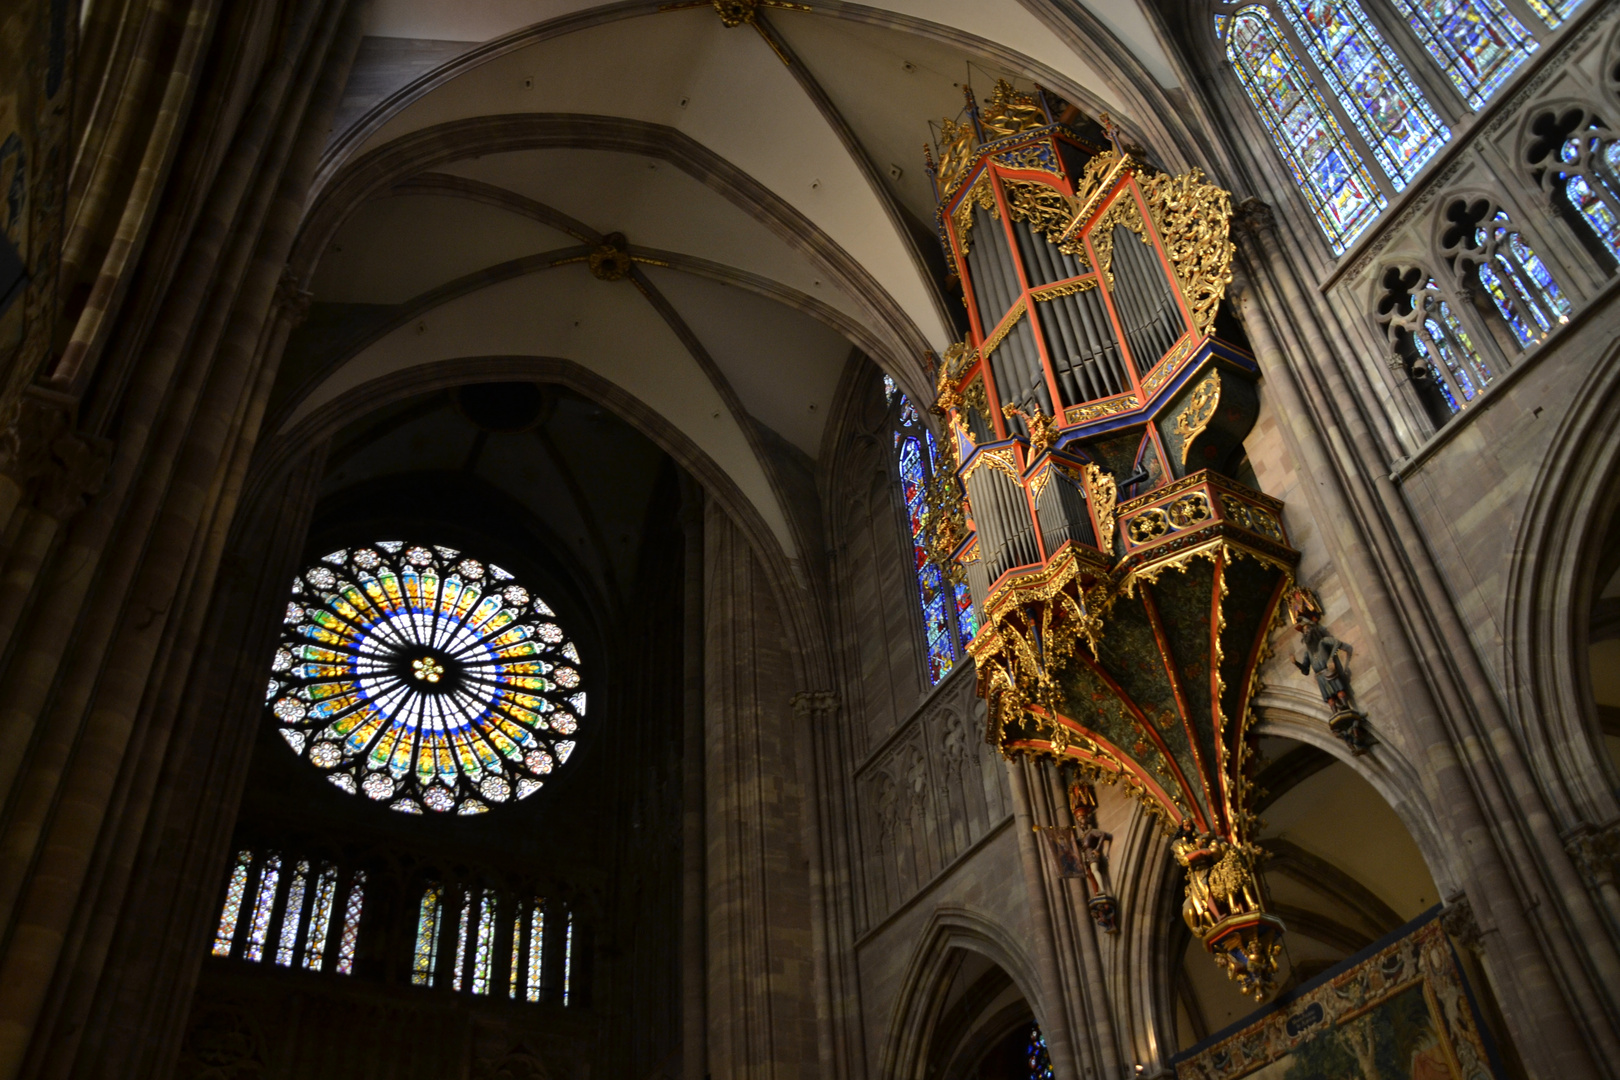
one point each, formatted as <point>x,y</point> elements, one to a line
<point>1457,918</point>
<point>1595,853</point>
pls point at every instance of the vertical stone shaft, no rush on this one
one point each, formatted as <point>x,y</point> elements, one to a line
<point>694,951</point>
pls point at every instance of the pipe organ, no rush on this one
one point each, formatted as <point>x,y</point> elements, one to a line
<point>1127,580</point>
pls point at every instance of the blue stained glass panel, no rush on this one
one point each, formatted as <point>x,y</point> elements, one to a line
<point>1372,84</point>
<point>941,617</point>
<point>967,618</point>
<point>1504,304</point>
<point>1587,203</point>
<point>1327,169</point>
<point>1477,43</point>
<point>1553,12</point>
<point>1040,1062</point>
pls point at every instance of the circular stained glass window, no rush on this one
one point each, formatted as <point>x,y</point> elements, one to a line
<point>424,678</point>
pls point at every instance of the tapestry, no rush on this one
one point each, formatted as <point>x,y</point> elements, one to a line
<point>1399,1010</point>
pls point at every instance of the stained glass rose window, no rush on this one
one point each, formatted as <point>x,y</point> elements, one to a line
<point>424,678</point>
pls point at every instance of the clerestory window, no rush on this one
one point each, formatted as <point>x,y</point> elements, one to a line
<point>948,616</point>
<point>1330,81</point>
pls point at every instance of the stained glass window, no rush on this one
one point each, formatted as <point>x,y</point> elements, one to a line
<point>484,946</point>
<point>1477,43</point>
<point>235,891</point>
<point>308,885</point>
<point>351,923</point>
<point>320,919</point>
<point>263,908</point>
<point>1553,12</point>
<point>287,946</point>
<point>568,958</point>
<point>1337,183</point>
<point>429,915</point>
<point>537,948</point>
<point>461,940</point>
<point>1518,282</point>
<point>1589,170</point>
<point>424,678</point>
<point>949,617</point>
<point>1040,1062</point>
<point>1372,84</point>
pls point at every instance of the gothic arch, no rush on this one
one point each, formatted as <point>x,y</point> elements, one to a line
<point>282,451</point>
<point>1574,496</point>
<point>950,931</point>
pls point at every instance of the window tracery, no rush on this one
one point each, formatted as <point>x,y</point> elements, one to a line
<point>949,618</point>
<point>1429,342</point>
<point>1363,137</point>
<point>1328,170</point>
<point>276,914</point>
<point>1576,158</point>
<point>482,925</point>
<point>424,678</point>
<point>1487,252</point>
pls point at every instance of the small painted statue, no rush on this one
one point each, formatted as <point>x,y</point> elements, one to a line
<point>1326,658</point>
<point>1094,845</point>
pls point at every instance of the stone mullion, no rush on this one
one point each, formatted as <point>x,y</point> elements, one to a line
<point>1542,1026</point>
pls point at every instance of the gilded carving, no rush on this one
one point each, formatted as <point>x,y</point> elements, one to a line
<point>1189,510</point>
<point>1010,112</point>
<point>1200,410</point>
<point>1001,459</point>
<point>1122,211</point>
<point>1043,430</point>
<point>1102,493</point>
<point>1226,906</point>
<point>1097,410</point>
<point>1032,157</point>
<point>1046,208</point>
<point>1194,219</point>
<point>1005,328</point>
<point>980,195</point>
<point>1052,292</point>
<point>1148,526</point>
<point>609,261</point>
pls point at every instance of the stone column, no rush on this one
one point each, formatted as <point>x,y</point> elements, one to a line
<point>694,948</point>
<point>1380,550</point>
<point>761,969</point>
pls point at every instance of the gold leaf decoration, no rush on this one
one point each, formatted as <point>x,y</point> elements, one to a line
<point>1047,209</point>
<point>1194,220</point>
<point>1103,494</point>
<point>979,194</point>
<point>1010,111</point>
<point>956,145</point>
<point>1122,211</point>
<point>1200,410</point>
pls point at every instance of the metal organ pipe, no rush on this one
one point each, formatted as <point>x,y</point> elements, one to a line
<point>980,265</point>
<point>1061,348</point>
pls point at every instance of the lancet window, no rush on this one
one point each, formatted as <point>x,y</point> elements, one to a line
<point>1487,253</point>
<point>1040,1061</point>
<point>1576,157</point>
<point>1365,135</point>
<point>949,618</point>
<point>1428,340</point>
<point>463,935</point>
<point>288,910</point>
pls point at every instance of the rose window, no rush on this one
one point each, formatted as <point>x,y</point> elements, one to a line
<point>424,679</point>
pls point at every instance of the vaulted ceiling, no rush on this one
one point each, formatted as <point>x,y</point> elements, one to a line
<point>767,179</point>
